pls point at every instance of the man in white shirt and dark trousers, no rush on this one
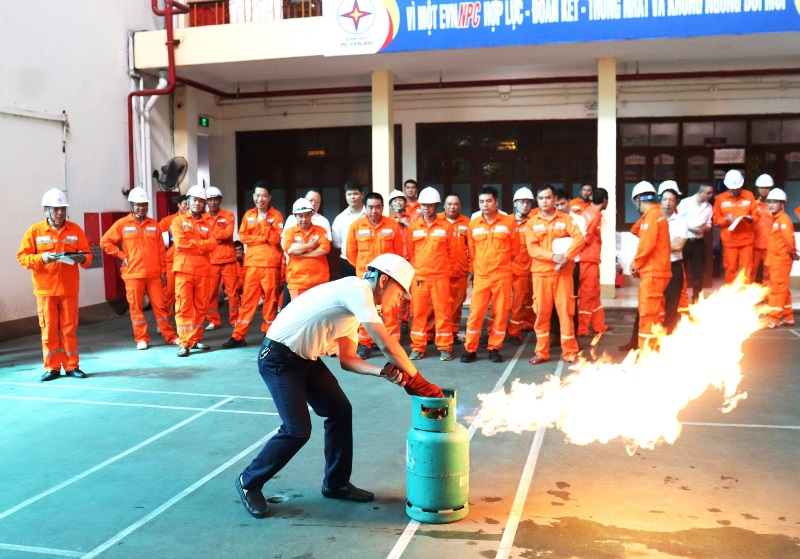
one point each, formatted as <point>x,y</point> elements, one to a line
<point>669,192</point>
<point>354,194</point>
<point>696,211</point>
<point>324,318</point>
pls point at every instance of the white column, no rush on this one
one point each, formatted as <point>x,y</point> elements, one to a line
<point>607,168</point>
<point>383,179</point>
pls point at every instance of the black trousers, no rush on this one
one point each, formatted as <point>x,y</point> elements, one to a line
<point>346,269</point>
<point>694,260</point>
<point>295,384</point>
<point>672,297</point>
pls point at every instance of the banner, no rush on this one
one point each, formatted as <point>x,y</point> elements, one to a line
<point>372,26</point>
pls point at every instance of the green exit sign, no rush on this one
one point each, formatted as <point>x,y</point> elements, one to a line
<point>203,121</point>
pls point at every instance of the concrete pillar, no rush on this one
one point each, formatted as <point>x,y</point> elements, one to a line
<point>181,140</point>
<point>607,168</point>
<point>383,180</point>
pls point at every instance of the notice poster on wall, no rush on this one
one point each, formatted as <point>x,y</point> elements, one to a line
<point>371,26</point>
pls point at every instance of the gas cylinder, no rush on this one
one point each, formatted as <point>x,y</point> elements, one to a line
<point>437,461</point>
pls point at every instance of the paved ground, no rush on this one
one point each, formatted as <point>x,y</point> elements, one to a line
<point>139,460</point>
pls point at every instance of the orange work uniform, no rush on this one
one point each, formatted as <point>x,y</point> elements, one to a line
<point>302,272</point>
<point>578,206</point>
<point>553,285</point>
<point>652,261</point>
<point>737,245</point>
<point>142,245</point>
<point>762,226</point>
<point>263,259</point>
<point>365,241</point>
<point>56,286</point>
<point>780,249</point>
<point>521,284</point>
<point>169,289</point>
<point>459,268</point>
<point>590,306</point>
<point>223,268</point>
<point>429,246</point>
<point>492,248</point>
<point>194,243</point>
<point>414,210</point>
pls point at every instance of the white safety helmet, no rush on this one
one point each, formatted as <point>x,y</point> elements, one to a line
<point>138,195</point>
<point>733,179</point>
<point>55,198</point>
<point>429,195</point>
<point>523,193</point>
<point>213,192</point>
<point>396,194</point>
<point>764,181</point>
<point>669,185</point>
<point>197,191</point>
<point>302,205</point>
<point>777,194</point>
<point>643,187</point>
<point>394,266</point>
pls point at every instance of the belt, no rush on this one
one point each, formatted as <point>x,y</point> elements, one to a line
<point>277,347</point>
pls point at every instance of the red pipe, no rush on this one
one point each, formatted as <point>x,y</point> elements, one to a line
<point>167,12</point>
<point>490,83</point>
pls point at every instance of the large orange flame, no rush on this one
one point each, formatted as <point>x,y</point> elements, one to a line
<point>639,399</point>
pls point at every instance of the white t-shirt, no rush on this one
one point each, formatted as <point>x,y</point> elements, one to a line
<point>341,227</point>
<point>677,230</point>
<point>312,322</point>
<point>695,214</point>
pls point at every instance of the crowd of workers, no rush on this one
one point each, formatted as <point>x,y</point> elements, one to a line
<point>542,257</point>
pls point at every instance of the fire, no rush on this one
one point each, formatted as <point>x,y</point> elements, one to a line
<point>639,399</point>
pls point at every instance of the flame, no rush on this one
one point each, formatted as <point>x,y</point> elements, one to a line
<point>639,399</point>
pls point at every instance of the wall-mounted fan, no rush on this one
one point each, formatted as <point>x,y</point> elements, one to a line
<point>171,173</point>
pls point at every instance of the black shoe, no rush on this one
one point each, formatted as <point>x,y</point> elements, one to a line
<point>469,357</point>
<point>494,356</point>
<point>201,346</point>
<point>50,375</point>
<point>233,342</point>
<point>628,347</point>
<point>252,500</point>
<point>348,493</point>
<point>516,340</point>
<point>77,373</point>
<point>183,351</point>
<point>374,347</point>
<point>363,352</point>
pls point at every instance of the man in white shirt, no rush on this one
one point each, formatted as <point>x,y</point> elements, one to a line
<point>696,211</point>
<point>354,194</point>
<point>324,317</point>
<point>678,232</point>
<point>317,218</point>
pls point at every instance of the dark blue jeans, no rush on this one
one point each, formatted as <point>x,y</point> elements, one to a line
<point>295,384</point>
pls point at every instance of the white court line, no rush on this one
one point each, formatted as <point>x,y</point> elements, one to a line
<point>186,492</point>
<point>510,531</point>
<point>83,387</point>
<point>111,460</point>
<point>41,550</point>
<point>130,405</point>
<point>412,526</point>
<point>746,425</point>
<point>795,332</point>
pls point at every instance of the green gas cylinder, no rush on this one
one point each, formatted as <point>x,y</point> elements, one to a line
<point>437,461</point>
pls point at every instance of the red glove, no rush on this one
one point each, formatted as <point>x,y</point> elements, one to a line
<point>418,386</point>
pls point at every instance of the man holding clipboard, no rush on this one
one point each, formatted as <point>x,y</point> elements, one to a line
<point>553,241</point>
<point>50,249</point>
